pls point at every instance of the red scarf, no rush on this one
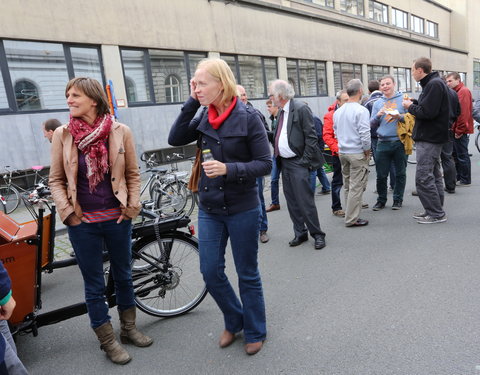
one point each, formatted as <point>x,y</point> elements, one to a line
<point>214,119</point>
<point>90,140</point>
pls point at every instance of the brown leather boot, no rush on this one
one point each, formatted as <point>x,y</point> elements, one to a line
<point>129,332</point>
<point>108,343</point>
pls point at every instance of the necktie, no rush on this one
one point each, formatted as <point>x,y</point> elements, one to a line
<point>277,135</point>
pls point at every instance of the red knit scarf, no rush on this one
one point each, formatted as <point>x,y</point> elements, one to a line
<point>90,140</point>
<point>214,119</point>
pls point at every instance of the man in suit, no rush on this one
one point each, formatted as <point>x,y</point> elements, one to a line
<point>297,154</point>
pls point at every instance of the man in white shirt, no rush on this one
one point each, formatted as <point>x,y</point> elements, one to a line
<point>352,128</point>
<point>297,154</point>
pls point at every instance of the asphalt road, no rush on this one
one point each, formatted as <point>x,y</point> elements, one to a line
<point>394,297</point>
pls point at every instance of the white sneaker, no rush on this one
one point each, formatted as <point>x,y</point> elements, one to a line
<point>419,215</point>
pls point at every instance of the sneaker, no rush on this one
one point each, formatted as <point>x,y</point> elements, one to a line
<point>460,183</point>
<point>414,193</point>
<point>432,220</point>
<point>339,213</point>
<point>419,215</point>
<point>264,236</point>
<point>396,205</point>
<point>364,205</point>
<point>378,206</point>
<point>324,192</point>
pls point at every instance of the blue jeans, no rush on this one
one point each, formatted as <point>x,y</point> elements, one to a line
<point>213,233</point>
<point>88,241</point>
<point>388,153</point>
<point>322,177</point>
<point>392,166</point>
<point>275,177</point>
<point>262,218</point>
<point>460,146</point>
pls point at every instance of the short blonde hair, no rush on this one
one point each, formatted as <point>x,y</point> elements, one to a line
<point>220,70</point>
<point>94,90</point>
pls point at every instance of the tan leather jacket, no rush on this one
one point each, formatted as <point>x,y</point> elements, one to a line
<point>123,167</point>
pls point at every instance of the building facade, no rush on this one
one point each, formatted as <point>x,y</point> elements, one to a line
<point>149,50</point>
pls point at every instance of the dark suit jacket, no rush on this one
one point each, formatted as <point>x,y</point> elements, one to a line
<point>302,137</point>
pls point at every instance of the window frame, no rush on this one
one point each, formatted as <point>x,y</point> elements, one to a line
<point>148,68</point>
<point>371,10</point>
<point>7,78</point>
<point>341,80</point>
<point>317,87</point>
<point>404,17</point>
<point>435,29</point>
<point>354,14</point>
<point>412,24</point>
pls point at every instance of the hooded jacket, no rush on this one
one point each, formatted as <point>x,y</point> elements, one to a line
<point>464,123</point>
<point>387,126</point>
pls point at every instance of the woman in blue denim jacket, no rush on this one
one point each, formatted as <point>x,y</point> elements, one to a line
<point>229,204</point>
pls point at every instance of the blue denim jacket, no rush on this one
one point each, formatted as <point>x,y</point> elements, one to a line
<point>240,142</point>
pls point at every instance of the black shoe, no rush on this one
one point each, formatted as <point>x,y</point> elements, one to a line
<point>298,240</point>
<point>358,223</point>
<point>396,205</point>
<point>378,206</point>
<point>450,191</point>
<point>319,242</point>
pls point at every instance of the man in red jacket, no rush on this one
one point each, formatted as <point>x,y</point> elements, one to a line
<point>462,128</point>
<point>331,141</point>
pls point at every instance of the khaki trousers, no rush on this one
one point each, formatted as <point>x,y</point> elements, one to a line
<point>355,175</point>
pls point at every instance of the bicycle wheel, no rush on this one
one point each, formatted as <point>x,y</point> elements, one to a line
<point>12,198</point>
<point>177,290</point>
<point>172,198</point>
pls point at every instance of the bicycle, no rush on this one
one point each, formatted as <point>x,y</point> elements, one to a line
<point>165,267</point>
<point>168,188</point>
<point>477,141</point>
<point>11,191</point>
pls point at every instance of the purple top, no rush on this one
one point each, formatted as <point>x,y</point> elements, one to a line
<point>100,199</point>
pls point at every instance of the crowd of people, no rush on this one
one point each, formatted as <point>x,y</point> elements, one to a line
<point>95,181</point>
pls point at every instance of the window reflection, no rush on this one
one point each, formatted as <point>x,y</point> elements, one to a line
<point>3,94</point>
<point>136,73</point>
<point>86,63</point>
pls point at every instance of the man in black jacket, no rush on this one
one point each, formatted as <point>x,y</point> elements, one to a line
<point>297,153</point>
<point>432,115</point>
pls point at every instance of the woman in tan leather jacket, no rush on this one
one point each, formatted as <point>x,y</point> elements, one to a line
<point>95,184</point>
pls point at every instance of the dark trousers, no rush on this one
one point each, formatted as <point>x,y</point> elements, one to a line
<point>392,165</point>
<point>448,164</point>
<point>300,198</point>
<point>463,159</point>
<point>388,153</point>
<point>337,183</point>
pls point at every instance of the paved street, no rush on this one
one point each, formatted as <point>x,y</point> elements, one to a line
<point>394,297</point>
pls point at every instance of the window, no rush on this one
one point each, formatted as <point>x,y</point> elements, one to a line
<point>193,59</point>
<point>353,7</point>
<point>400,18</point>
<point>325,3</point>
<point>136,72</point>
<point>417,24</point>
<point>168,69</point>
<point>131,90</point>
<point>378,11</point>
<point>172,89</point>
<point>403,79</point>
<point>476,74</point>
<point>253,72</point>
<point>376,72</point>
<point>38,72</point>
<point>86,63</point>
<point>3,94</point>
<point>432,29</point>
<point>342,73</point>
<point>26,95</point>
<point>251,76</point>
<point>307,77</point>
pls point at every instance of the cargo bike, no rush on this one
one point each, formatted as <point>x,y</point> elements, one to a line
<point>165,266</point>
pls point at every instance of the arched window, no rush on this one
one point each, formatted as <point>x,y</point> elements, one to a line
<point>26,95</point>
<point>172,89</point>
<point>131,90</point>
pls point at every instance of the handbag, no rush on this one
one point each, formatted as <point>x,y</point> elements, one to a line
<point>196,171</point>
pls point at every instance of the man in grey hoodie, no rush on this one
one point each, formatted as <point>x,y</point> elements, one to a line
<point>387,111</point>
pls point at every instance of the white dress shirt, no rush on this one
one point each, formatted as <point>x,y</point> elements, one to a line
<point>283,148</point>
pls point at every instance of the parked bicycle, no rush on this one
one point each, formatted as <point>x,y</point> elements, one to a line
<point>11,191</point>
<point>167,188</point>
<point>165,267</point>
<point>477,141</point>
